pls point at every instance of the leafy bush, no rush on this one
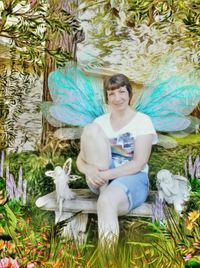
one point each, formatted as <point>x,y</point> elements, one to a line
<point>171,159</point>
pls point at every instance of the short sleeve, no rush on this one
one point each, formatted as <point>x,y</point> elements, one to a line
<point>103,122</point>
<point>145,127</point>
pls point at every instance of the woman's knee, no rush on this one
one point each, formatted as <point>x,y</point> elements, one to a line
<point>105,202</point>
<point>92,130</point>
<point>114,200</point>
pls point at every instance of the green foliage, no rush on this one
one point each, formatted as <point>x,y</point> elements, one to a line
<point>176,242</point>
<point>131,13</point>
<point>195,185</point>
<point>134,34</point>
<point>29,27</point>
<point>194,202</point>
<point>56,153</point>
<point>142,244</point>
<point>2,183</point>
<point>37,162</point>
<point>171,159</point>
<point>14,87</point>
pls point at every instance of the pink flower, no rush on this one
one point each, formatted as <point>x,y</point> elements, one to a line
<point>9,263</point>
<point>188,256</point>
<point>30,265</point>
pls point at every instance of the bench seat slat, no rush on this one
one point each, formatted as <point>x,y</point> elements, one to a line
<point>86,202</point>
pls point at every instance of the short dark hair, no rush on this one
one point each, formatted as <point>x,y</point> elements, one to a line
<point>116,81</point>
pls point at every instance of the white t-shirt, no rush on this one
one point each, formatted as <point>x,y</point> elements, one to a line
<point>122,141</point>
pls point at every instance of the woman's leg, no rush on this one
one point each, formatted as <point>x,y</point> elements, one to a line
<point>112,202</point>
<point>95,147</point>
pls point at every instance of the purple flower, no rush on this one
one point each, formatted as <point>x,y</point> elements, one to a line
<point>191,167</point>
<point>185,168</point>
<point>157,209</point>
<point>197,166</point>
<point>2,164</point>
<point>13,190</point>
<point>10,186</point>
<point>7,172</point>
<point>18,192</point>
<point>24,192</point>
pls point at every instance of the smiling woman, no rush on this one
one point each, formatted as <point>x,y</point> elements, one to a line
<point>115,163</point>
<point>120,82</point>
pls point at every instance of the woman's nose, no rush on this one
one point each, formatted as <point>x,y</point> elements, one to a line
<point>117,96</point>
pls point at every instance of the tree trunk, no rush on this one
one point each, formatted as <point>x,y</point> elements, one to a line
<point>67,43</point>
<point>196,111</point>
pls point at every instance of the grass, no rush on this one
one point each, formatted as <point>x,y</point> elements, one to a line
<point>36,243</point>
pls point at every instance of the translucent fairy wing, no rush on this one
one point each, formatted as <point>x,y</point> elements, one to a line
<point>166,141</point>
<point>169,102</point>
<point>193,127</point>
<point>45,107</point>
<point>171,139</point>
<point>77,98</point>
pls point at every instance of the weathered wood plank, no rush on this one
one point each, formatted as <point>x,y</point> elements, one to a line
<point>86,202</point>
<point>71,133</point>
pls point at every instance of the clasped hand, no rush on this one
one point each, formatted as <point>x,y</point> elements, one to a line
<point>96,177</point>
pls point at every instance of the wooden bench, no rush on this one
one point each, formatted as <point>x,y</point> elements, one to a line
<point>76,211</point>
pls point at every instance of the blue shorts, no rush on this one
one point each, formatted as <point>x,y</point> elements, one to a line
<point>136,186</point>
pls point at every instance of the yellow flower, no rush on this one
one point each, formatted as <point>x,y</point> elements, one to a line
<point>2,231</point>
<point>2,197</point>
<point>194,215</point>
<point>1,244</point>
<point>190,225</point>
<point>11,247</point>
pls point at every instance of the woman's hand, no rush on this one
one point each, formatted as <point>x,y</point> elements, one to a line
<point>95,177</point>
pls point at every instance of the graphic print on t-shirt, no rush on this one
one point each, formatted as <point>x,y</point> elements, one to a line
<point>122,148</point>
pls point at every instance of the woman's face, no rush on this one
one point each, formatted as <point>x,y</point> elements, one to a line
<point>118,99</point>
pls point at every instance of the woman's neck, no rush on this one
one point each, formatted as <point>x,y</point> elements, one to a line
<point>122,114</point>
<point>119,120</point>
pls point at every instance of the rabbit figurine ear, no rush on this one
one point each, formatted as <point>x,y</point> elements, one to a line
<point>67,166</point>
<point>49,173</point>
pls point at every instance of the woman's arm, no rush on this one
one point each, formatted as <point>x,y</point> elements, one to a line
<point>142,151</point>
<point>92,173</point>
<point>81,164</point>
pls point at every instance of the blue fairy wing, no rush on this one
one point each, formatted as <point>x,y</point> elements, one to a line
<point>169,102</point>
<point>77,98</point>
